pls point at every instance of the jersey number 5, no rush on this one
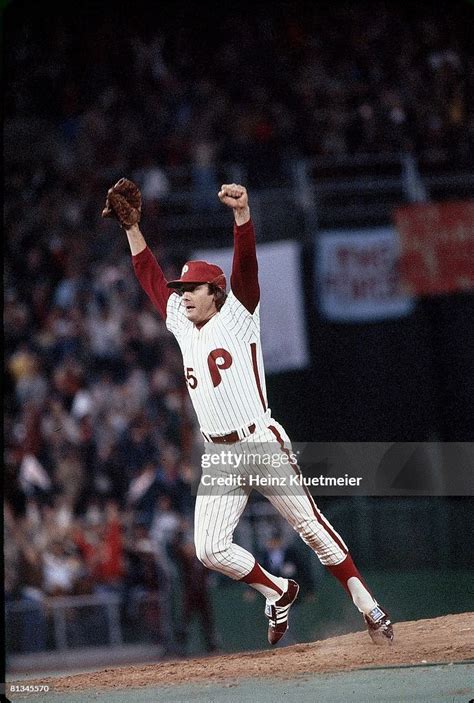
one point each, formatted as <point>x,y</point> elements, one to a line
<point>192,380</point>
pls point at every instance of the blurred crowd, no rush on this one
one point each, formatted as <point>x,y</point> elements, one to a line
<point>143,92</point>
<point>98,426</point>
<point>98,430</point>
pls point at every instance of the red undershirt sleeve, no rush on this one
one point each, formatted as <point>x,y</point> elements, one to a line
<point>244,277</point>
<point>152,279</point>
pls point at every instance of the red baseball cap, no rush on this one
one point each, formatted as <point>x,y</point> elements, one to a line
<point>200,272</point>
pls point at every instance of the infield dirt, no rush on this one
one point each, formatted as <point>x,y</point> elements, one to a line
<point>440,640</point>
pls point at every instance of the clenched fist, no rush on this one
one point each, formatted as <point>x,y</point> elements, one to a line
<point>235,196</point>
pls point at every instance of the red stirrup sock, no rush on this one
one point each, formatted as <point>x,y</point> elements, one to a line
<point>272,587</point>
<point>349,577</point>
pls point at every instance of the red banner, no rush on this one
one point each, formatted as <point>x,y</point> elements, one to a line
<point>437,243</point>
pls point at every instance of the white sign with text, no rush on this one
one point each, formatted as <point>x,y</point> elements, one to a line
<point>357,275</point>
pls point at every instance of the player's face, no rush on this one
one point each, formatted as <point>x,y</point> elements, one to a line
<point>199,304</point>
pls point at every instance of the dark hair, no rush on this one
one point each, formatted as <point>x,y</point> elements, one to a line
<point>220,296</point>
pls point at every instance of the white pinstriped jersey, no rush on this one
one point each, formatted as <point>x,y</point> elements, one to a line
<point>223,364</point>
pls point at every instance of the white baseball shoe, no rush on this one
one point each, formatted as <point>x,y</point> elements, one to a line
<point>379,626</point>
<point>277,613</point>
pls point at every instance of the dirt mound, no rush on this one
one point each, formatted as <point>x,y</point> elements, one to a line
<point>445,639</point>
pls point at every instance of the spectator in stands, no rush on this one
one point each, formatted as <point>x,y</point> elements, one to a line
<point>62,568</point>
<point>195,590</point>
<point>101,547</point>
<point>145,581</point>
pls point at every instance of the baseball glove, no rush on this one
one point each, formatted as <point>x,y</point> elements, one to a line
<point>124,202</point>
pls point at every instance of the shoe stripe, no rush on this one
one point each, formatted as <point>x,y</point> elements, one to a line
<point>279,618</point>
<point>282,610</point>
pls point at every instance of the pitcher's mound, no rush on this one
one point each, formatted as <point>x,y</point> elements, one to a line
<point>445,639</point>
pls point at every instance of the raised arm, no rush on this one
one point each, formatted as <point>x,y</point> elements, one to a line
<point>244,277</point>
<point>148,271</point>
<point>124,203</point>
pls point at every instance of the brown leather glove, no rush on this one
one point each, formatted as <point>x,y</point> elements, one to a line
<point>124,202</point>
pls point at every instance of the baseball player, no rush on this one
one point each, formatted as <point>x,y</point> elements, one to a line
<point>219,337</point>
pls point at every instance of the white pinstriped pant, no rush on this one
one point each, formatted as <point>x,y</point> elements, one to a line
<point>218,508</point>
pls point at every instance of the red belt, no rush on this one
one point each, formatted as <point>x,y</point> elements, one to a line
<point>230,438</point>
